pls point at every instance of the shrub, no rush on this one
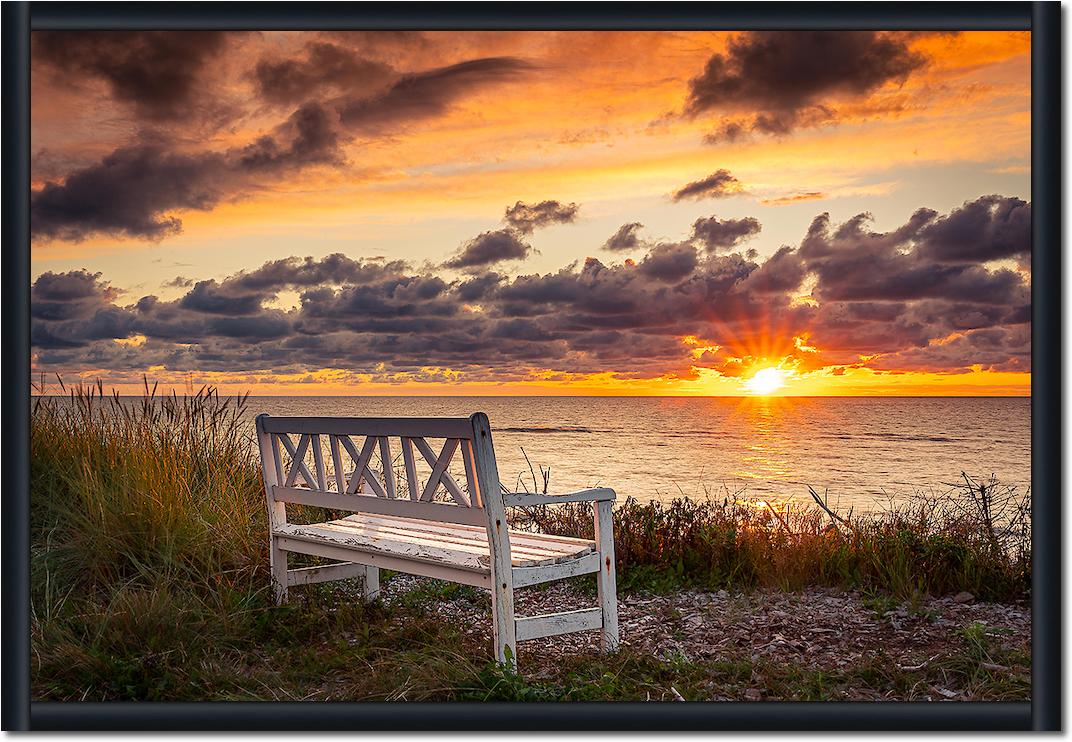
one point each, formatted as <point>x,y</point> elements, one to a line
<point>929,544</point>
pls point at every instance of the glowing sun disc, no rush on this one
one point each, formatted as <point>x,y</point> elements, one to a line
<point>766,381</point>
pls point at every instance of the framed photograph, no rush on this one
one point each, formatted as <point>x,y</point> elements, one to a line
<point>674,366</point>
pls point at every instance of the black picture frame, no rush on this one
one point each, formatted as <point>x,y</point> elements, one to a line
<point>1043,19</point>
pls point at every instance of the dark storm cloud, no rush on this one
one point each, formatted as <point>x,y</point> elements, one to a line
<point>417,304</point>
<point>266,326</point>
<point>780,123</point>
<point>526,218</point>
<point>727,132</point>
<point>130,192</point>
<point>420,307</point>
<point>844,333</point>
<point>958,316</point>
<point>206,297</point>
<point>596,289</point>
<point>877,299</point>
<point>924,281</point>
<point>669,263</point>
<point>913,262</point>
<point>996,349</point>
<point>133,191</point>
<point>522,329</point>
<point>781,273</point>
<point>78,307</point>
<point>599,296</point>
<point>58,296</point>
<point>71,310</point>
<point>324,66</point>
<point>72,286</point>
<point>718,184</point>
<point>104,324</point>
<point>989,228</point>
<point>897,295</point>
<point>479,287</point>
<point>426,94</point>
<point>788,78</point>
<point>724,234</point>
<point>489,248</point>
<point>380,40</point>
<point>296,272</point>
<point>625,238</point>
<point>1018,315</point>
<point>155,71</point>
<point>310,136</point>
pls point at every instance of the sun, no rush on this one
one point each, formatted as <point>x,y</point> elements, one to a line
<point>766,381</point>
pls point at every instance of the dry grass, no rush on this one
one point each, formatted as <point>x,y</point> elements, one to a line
<point>934,544</point>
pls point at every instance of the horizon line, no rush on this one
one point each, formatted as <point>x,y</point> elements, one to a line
<point>594,396</point>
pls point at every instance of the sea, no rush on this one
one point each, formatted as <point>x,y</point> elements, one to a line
<point>862,452</point>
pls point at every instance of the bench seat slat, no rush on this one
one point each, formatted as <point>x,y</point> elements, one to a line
<point>465,548</point>
<point>530,542</point>
<point>419,539</point>
<point>536,552</point>
<point>425,535</point>
<point>515,536</point>
<point>397,548</point>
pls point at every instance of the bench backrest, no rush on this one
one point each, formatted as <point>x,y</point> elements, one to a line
<point>332,462</point>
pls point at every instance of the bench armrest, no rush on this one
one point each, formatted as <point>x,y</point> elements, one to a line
<point>524,499</point>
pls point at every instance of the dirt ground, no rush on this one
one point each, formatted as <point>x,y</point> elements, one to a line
<point>818,630</point>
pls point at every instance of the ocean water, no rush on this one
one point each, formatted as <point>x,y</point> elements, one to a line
<point>863,450</point>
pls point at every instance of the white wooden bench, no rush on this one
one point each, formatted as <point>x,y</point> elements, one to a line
<point>429,525</point>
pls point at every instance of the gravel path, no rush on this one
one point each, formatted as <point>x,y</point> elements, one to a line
<point>819,628</point>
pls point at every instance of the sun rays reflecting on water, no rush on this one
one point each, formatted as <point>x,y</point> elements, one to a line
<point>768,449</point>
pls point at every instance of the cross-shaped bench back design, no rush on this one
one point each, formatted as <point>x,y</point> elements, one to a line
<point>341,473</point>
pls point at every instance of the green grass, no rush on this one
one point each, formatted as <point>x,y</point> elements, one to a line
<point>150,582</point>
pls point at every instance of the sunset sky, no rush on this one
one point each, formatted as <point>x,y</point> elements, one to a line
<point>533,212</point>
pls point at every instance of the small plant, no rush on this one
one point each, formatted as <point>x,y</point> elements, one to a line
<point>537,488</point>
<point>979,639</point>
<point>880,605</point>
<point>497,682</point>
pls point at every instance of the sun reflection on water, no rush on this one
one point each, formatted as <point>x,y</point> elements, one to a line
<point>769,444</point>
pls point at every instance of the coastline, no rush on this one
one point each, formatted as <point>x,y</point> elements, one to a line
<point>150,581</point>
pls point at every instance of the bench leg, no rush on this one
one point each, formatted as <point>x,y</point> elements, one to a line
<point>606,582</point>
<point>278,560</point>
<point>503,627</point>
<point>371,589</point>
